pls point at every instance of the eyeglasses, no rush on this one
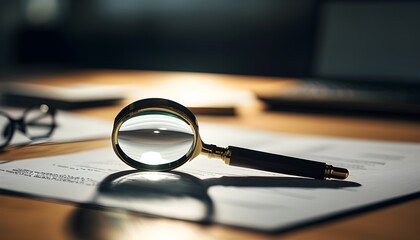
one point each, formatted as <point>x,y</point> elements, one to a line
<point>36,123</point>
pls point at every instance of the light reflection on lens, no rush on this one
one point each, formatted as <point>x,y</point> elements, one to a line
<point>155,138</point>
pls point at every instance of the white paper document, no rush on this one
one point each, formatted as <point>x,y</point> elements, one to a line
<point>207,190</point>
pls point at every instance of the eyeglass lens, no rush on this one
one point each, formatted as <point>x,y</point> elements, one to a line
<point>155,137</point>
<point>38,121</point>
<point>5,130</point>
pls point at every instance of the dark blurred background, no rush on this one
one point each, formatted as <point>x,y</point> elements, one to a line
<point>305,38</point>
<point>259,37</point>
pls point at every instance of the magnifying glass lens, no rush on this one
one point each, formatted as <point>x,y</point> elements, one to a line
<point>155,137</point>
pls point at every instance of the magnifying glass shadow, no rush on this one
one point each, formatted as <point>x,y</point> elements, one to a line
<point>284,182</point>
<point>183,196</point>
<point>174,195</point>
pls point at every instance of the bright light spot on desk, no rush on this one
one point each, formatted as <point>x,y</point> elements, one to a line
<point>156,131</point>
<point>197,91</point>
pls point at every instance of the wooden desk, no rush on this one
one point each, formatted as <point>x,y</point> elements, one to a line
<point>23,218</point>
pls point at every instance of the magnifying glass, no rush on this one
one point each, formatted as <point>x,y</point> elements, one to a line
<point>157,134</point>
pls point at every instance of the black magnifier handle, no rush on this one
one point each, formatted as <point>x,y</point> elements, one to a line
<point>242,157</point>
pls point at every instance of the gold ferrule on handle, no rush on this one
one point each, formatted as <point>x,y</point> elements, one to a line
<point>213,151</point>
<point>336,172</point>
